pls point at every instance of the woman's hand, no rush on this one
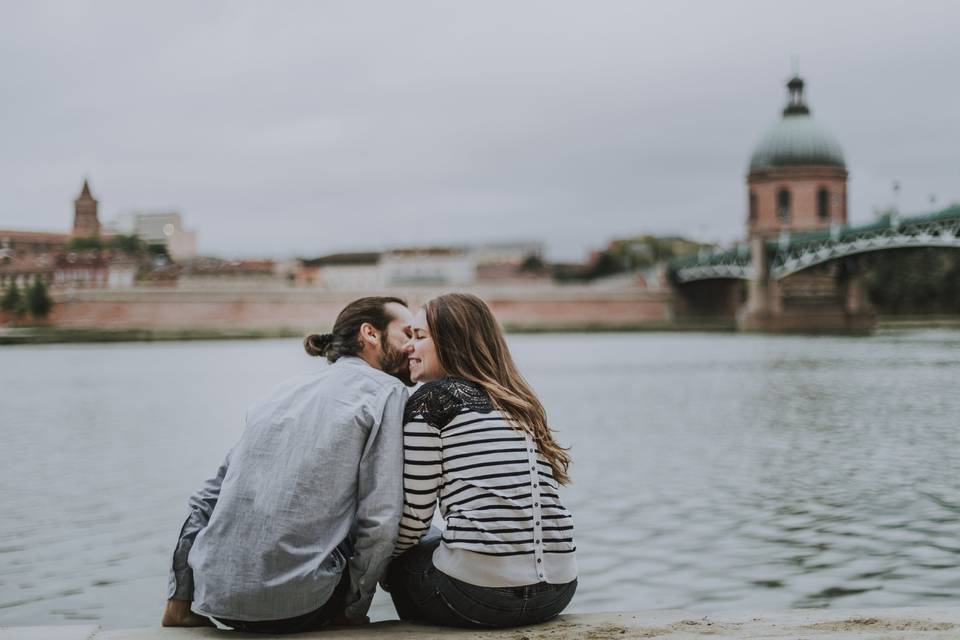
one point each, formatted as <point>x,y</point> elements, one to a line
<point>177,613</point>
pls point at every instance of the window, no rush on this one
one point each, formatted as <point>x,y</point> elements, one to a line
<point>753,207</point>
<point>823,204</point>
<point>783,205</point>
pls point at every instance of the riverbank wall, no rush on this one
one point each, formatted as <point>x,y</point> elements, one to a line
<point>148,314</point>
<point>923,623</point>
<point>282,311</point>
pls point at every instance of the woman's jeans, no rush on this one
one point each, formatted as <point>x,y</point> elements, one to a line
<point>422,593</point>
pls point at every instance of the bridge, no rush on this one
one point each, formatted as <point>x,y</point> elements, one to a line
<point>769,266</point>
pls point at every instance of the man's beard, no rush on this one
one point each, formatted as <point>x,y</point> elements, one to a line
<point>395,362</point>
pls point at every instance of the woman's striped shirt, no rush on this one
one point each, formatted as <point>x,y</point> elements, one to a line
<point>505,523</point>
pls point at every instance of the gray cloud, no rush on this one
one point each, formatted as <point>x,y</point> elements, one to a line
<point>300,128</point>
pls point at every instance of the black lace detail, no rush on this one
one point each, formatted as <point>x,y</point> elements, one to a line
<point>440,401</point>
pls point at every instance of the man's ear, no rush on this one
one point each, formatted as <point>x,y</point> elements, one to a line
<point>369,334</point>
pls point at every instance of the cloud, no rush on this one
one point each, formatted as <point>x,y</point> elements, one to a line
<point>300,128</point>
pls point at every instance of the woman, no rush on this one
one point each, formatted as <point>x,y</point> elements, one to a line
<point>476,441</point>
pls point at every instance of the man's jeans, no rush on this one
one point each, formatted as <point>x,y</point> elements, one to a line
<point>422,593</point>
<point>311,621</point>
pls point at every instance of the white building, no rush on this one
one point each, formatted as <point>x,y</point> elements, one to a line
<point>341,272</point>
<point>506,253</point>
<point>428,266</point>
<point>165,229</point>
<point>371,271</point>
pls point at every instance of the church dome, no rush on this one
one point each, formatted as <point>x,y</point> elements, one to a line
<point>797,139</point>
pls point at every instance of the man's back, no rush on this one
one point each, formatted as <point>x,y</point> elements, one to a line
<point>289,493</point>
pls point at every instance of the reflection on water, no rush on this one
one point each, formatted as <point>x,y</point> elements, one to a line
<point>710,471</point>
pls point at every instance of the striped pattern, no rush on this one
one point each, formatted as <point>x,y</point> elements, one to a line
<point>496,493</point>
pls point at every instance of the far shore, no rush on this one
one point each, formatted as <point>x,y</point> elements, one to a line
<point>25,335</point>
<point>58,335</point>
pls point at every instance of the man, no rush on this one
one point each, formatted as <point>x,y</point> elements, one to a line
<point>297,525</point>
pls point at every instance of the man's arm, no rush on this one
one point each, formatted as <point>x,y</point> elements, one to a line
<point>180,582</point>
<point>379,503</point>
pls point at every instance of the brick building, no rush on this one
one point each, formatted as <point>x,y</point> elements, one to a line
<point>797,179</point>
<point>31,243</point>
<point>22,244</point>
<point>26,256</point>
<point>86,221</point>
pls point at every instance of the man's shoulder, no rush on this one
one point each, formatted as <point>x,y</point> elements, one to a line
<point>342,379</point>
<point>439,401</point>
<point>357,369</point>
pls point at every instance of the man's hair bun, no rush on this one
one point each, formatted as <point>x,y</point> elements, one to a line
<point>317,344</point>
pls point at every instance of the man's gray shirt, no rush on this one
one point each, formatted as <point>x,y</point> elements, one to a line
<point>320,463</point>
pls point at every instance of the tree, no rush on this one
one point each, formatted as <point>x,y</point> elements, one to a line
<point>606,264</point>
<point>159,255</point>
<point>39,302</point>
<point>131,245</point>
<point>84,244</point>
<point>533,263</point>
<point>12,301</point>
<point>914,281</point>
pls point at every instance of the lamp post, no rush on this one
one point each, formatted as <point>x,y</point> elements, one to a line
<point>895,211</point>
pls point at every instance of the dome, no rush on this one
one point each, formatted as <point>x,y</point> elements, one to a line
<point>797,139</point>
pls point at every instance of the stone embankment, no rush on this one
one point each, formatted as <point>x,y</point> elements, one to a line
<point>298,310</point>
<point>813,624</point>
<point>175,314</point>
<point>92,315</point>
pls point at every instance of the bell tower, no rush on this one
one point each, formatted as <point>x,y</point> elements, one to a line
<point>85,221</point>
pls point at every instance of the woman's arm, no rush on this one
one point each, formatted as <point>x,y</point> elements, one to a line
<point>422,474</point>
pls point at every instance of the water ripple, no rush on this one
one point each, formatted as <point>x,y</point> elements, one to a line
<point>710,471</point>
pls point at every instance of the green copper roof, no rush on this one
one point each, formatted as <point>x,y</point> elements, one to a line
<point>797,139</point>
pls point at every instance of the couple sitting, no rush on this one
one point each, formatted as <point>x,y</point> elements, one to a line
<point>335,480</point>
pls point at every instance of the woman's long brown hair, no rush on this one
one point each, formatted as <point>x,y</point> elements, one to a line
<point>470,345</point>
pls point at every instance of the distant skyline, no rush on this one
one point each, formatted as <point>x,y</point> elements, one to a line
<point>304,128</point>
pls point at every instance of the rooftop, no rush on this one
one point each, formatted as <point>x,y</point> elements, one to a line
<point>797,139</point>
<point>359,258</point>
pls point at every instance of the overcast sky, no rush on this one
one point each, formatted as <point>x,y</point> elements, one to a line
<point>288,128</point>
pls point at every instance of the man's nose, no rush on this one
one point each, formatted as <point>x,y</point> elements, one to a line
<point>408,347</point>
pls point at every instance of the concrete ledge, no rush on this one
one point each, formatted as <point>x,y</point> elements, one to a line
<point>819,624</point>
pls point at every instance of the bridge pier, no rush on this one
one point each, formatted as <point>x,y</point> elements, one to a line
<point>857,301</point>
<point>831,299</point>
<point>758,310</point>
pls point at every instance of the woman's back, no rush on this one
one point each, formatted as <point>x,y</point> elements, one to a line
<point>505,523</point>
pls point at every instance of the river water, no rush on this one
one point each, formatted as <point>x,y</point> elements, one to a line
<point>711,471</point>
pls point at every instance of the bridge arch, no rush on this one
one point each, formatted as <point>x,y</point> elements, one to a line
<point>942,232</point>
